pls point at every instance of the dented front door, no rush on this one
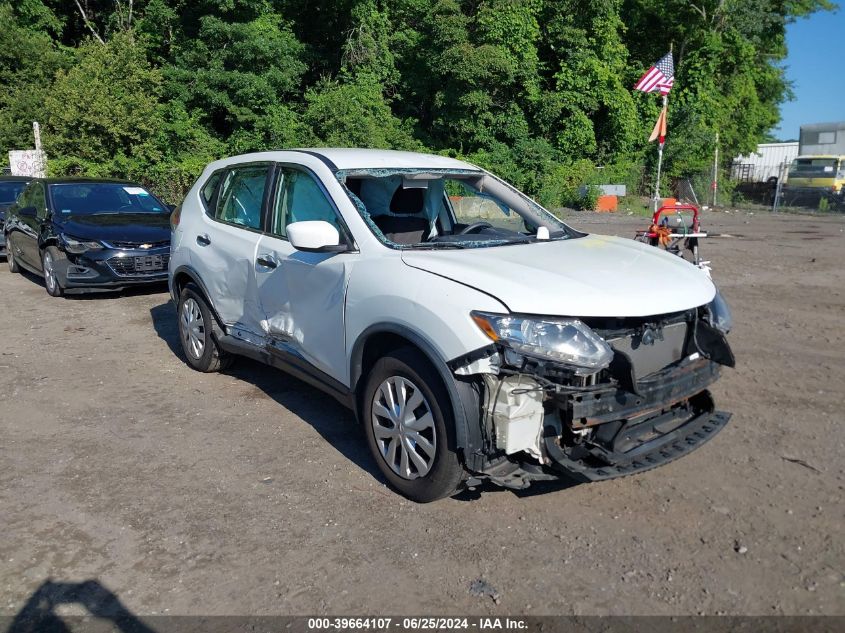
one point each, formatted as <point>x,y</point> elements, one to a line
<point>302,294</point>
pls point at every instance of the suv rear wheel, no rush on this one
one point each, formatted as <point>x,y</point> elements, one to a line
<point>409,427</point>
<point>195,325</point>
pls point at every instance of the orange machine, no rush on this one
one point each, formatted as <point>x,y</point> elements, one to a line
<point>676,228</point>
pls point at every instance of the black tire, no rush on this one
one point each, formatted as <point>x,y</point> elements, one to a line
<point>445,472</point>
<point>210,357</point>
<point>10,258</point>
<point>52,284</point>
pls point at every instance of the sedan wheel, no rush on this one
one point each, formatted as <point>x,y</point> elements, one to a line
<point>10,258</point>
<point>404,428</point>
<point>51,280</point>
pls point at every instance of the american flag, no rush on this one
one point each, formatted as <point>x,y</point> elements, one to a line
<point>658,78</point>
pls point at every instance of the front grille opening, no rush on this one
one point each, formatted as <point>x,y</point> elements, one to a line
<point>126,266</point>
<point>138,245</point>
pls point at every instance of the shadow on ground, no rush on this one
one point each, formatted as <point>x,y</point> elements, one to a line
<point>40,615</point>
<point>536,488</point>
<point>335,423</point>
<point>332,421</point>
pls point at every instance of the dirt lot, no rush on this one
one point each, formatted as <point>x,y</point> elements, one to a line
<point>251,493</point>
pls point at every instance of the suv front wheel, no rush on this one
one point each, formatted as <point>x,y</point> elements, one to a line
<point>409,427</point>
<point>195,333</point>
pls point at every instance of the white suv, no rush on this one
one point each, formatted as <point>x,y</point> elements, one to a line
<point>474,335</point>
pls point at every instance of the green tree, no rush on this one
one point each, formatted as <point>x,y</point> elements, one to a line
<point>29,58</point>
<point>104,111</point>
<point>539,91</point>
<point>238,77</point>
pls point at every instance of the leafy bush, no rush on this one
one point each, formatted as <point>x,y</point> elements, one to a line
<point>589,197</point>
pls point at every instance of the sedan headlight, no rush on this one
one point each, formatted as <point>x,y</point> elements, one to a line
<point>568,341</point>
<point>720,316</point>
<point>78,246</point>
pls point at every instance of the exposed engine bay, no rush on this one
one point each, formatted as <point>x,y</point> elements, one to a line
<point>648,406</point>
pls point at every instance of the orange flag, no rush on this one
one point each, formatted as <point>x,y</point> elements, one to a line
<point>659,131</point>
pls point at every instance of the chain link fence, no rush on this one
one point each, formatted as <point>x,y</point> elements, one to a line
<point>813,184</point>
<point>740,186</point>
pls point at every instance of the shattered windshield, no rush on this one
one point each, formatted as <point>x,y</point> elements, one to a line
<point>430,209</point>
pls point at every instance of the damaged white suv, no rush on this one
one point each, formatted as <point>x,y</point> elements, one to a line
<point>474,335</point>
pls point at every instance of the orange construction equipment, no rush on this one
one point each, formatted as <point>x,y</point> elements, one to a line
<point>676,228</point>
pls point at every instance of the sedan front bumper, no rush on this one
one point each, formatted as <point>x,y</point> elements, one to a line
<point>113,269</point>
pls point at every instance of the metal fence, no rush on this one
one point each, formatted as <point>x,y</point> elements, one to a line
<point>756,185</point>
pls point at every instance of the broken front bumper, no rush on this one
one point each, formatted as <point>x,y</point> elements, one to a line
<point>540,430</point>
<point>611,432</point>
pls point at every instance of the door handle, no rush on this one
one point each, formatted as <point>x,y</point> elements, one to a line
<point>203,240</point>
<point>268,261</point>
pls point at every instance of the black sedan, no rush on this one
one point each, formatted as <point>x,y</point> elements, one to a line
<point>86,234</point>
<point>10,188</point>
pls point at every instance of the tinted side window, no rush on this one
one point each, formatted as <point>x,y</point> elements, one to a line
<point>241,196</point>
<point>38,200</point>
<point>25,196</point>
<point>299,198</point>
<point>10,190</point>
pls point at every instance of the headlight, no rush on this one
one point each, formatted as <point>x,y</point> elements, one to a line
<point>568,341</point>
<point>76,246</point>
<point>720,314</point>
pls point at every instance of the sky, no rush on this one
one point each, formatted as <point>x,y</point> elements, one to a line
<point>816,65</point>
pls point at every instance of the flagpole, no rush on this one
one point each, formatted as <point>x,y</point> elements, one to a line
<point>659,165</point>
<point>659,77</point>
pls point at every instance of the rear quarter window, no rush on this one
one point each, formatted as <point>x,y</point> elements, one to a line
<point>209,190</point>
<point>241,196</point>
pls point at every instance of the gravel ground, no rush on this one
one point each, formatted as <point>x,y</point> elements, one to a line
<point>251,493</point>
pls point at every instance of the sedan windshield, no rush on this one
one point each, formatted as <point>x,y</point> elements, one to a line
<point>10,190</point>
<point>428,209</point>
<point>90,198</point>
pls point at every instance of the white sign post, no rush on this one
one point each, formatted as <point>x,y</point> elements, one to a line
<point>36,132</point>
<point>29,162</point>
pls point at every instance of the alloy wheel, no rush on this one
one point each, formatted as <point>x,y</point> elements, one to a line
<point>192,328</point>
<point>404,428</point>
<point>49,273</point>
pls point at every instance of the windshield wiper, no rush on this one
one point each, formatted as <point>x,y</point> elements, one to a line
<point>436,245</point>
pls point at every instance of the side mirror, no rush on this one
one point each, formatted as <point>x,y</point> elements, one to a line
<point>315,236</point>
<point>28,212</point>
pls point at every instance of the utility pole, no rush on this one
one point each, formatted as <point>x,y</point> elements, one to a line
<point>779,188</point>
<point>716,171</point>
